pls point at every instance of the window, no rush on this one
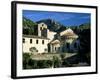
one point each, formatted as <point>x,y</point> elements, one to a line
<point>36,41</point>
<point>75,45</point>
<point>40,28</point>
<point>67,45</point>
<point>42,24</point>
<point>42,41</point>
<point>30,41</point>
<point>23,40</point>
<point>55,48</point>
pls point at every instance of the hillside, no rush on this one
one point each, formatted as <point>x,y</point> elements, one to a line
<point>53,25</point>
<point>29,25</point>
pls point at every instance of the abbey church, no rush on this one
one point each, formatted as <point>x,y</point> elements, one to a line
<point>46,41</point>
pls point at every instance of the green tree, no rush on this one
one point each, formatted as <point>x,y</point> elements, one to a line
<point>84,48</point>
<point>28,26</point>
<point>56,62</point>
<point>26,58</point>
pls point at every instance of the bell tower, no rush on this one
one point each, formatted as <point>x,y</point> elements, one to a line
<point>42,30</point>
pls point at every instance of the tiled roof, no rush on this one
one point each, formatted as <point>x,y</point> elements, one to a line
<point>33,36</point>
<point>69,32</point>
<point>56,41</point>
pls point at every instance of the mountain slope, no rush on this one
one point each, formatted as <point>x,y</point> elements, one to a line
<point>28,22</point>
<point>28,26</point>
<point>53,25</point>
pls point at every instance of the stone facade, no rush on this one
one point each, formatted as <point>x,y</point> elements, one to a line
<point>39,41</point>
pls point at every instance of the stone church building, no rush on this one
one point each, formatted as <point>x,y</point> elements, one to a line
<point>46,41</point>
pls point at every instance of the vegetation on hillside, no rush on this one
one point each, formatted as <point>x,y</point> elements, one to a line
<point>28,26</point>
<point>53,25</point>
<point>28,23</point>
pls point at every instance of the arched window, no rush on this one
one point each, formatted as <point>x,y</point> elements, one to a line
<point>42,41</point>
<point>36,41</point>
<point>42,24</point>
<point>30,41</point>
<point>75,45</point>
<point>55,48</point>
<point>40,28</point>
<point>67,45</point>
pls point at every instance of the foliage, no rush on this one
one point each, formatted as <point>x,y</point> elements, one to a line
<point>28,26</point>
<point>29,63</point>
<point>28,23</point>
<point>44,63</point>
<point>63,56</point>
<point>33,49</point>
<point>84,48</point>
<point>84,26</point>
<point>78,29</point>
<point>66,63</point>
<point>56,62</point>
<point>26,58</point>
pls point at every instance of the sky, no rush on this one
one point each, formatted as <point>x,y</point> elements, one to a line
<point>64,18</point>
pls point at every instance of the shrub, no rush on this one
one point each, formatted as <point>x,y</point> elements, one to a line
<point>63,56</point>
<point>56,62</point>
<point>48,63</point>
<point>44,63</point>
<point>33,49</point>
<point>65,63</point>
<point>26,58</point>
<point>29,63</point>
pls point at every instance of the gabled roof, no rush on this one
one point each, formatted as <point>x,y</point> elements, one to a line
<point>68,32</point>
<point>56,41</point>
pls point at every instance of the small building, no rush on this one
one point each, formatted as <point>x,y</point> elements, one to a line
<point>69,41</point>
<point>54,46</point>
<point>66,41</point>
